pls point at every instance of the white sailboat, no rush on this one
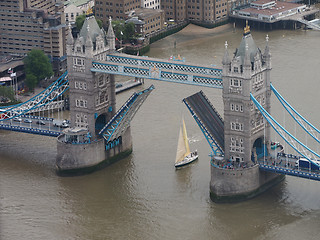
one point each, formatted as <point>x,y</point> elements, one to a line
<point>184,156</point>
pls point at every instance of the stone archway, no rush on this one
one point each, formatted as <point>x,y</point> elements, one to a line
<point>101,121</point>
<point>259,148</point>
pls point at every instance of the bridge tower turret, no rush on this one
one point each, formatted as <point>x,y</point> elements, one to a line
<point>244,127</point>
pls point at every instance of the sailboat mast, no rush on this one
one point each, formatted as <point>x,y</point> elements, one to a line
<point>185,137</point>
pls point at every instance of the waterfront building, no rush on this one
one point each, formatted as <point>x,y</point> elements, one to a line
<point>202,11</point>
<point>268,10</point>
<point>29,24</point>
<point>147,20</point>
<point>116,9</point>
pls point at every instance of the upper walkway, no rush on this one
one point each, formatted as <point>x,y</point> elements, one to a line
<point>159,69</point>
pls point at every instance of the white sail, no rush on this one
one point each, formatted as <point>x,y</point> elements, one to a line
<point>185,137</point>
<point>181,149</point>
<point>183,144</point>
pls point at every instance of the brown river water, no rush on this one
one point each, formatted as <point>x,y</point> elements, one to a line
<point>143,196</point>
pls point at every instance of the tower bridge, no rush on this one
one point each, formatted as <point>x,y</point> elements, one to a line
<point>244,160</point>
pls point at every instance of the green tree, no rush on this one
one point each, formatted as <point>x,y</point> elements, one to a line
<point>38,66</point>
<point>6,92</point>
<point>80,20</point>
<point>118,27</point>
<point>129,31</point>
<point>31,81</point>
<point>100,23</point>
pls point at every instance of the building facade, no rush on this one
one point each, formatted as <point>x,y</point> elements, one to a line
<point>29,24</point>
<point>116,9</point>
<point>151,20</point>
<point>206,11</point>
<point>71,13</point>
<point>247,72</point>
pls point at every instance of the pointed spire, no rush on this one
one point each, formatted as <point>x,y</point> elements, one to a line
<point>267,50</point>
<point>88,41</point>
<point>226,59</point>
<point>247,61</point>
<point>110,33</point>
<point>70,39</point>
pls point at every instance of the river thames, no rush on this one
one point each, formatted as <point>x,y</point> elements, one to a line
<point>143,196</point>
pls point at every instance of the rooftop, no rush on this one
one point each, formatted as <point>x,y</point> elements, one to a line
<point>144,13</point>
<point>277,8</point>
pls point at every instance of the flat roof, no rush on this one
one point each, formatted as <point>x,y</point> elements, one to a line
<point>261,2</point>
<point>278,8</point>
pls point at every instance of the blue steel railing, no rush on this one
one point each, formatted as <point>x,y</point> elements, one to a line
<point>37,131</point>
<point>109,131</point>
<point>292,172</point>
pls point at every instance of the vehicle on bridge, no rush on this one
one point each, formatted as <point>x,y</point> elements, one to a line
<point>305,164</point>
<point>17,119</point>
<point>60,123</point>
<point>40,122</point>
<point>27,120</point>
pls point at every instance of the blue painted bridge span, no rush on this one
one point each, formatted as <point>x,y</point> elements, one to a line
<point>159,69</point>
<point>32,125</point>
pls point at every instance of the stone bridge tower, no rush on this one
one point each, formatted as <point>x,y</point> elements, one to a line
<point>92,95</point>
<point>244,127</point>
<point>245,133</point>
<point>92,103</point>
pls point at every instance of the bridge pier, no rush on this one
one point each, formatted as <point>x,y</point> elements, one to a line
<point>236,176</point>
<point>82,148</point>
<point>82,158</point>
<point>240,184</point>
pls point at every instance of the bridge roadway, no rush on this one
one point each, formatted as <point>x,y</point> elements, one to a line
<point>286,164</point>
<point>32,124</point>
<point>208,116</point>
<point>159,69</point>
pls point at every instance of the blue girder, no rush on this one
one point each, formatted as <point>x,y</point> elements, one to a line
<point>43,98</point>
<point>300,119</point>
<point>121,120</point>
<point>274,123</point>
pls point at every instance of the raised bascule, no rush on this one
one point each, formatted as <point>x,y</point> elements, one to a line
<point>244,160</point>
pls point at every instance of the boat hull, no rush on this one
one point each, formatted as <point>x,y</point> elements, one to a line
<point>187,160</point>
